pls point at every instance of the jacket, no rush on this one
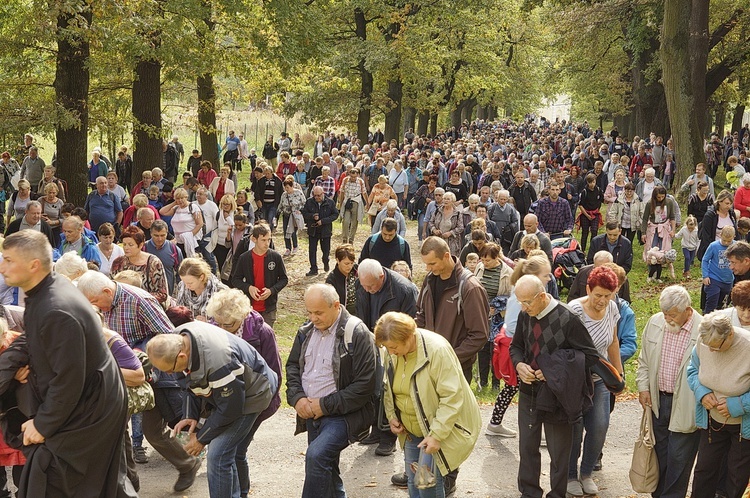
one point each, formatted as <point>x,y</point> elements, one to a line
<point>523,196</point>
<point>566,393</point>
<point>707,229</point>
<point>261,336</point>
<point>622,252</point>
<point>327,214</point>
<point>399,293</point>
<point>615,211</point>
<point>227,373</point>
<point>354,369</point>
<point>642,185</point>
<point>338,281</point>
<point>446,407</point>
<point>682,417</point>
<point>274,276</point>
<point>455,241</point>
<point>626,333</point>
<point>15,226</point>
<point>461,314</point>
<point>89,252</point>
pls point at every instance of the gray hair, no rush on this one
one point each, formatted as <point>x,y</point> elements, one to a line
<point>649,171</point>
<point>674,297</point>
<point>715,328</point>
<point>71,265</point>
<point>230,304</point>
<point>156,171</point>
<point>164,347</point>
<point>449,197</point>
<point>391,204</point>
<point>439,190</point>
<point>35,204</point>
<point>144,211</point>
<point>746,178</point>
<point>602,257</point>
<point>159,226</point>
<point>370,267</point>
<point>326,291</point>
<point>92,283</point>
<point>474,198</point>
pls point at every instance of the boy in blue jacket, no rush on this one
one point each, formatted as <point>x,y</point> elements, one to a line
<point>717,276</point>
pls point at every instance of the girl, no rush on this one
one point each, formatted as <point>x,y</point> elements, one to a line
<point>669,167</point>
<point>689,236</point>
<point>658,228</point>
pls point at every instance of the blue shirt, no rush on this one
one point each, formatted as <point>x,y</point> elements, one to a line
<point>102,209</point>
<point>715,264</point>
<point>232,143</point>
<point>170,256</point>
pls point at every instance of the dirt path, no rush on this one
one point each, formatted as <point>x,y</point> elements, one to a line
<point>277,464</point>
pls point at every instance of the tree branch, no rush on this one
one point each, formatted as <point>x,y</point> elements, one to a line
<point>724,28</point>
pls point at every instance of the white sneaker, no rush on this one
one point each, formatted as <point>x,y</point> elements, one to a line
<point>659,281</point>
<point>649,280</point>
<point>499,430</point>
<point>287,252</point>
<point>588,485</point>
<point>294,251</point>
<point>574,488</point>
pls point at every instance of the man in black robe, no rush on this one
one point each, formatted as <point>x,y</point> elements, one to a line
<point>73,439</point>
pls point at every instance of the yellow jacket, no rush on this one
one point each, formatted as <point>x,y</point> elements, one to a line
<point>446,407</point>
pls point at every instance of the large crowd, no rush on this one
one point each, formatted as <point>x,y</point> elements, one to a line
<point>149,311</point>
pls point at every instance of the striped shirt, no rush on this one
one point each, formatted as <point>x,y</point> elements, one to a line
<point>136,315</point>
<point>317,378</point>
<point>601,331</point>
<point>672,351</point>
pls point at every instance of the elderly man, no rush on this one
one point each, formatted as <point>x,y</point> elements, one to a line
<point>505,217</point>
<point>382,290</point>
<point>74,442</point>
<point>319,213</point>
<point>32,168</point>
<point>103,206</point>
<point>644,188</point>
<point>666,346</point>
<point>137,316</point>
<point>553,213</point>
<point>387,246</point>
<point>330,376</point>
<point>432,206</point>
<point>615,243</point>
<point>73,239</point>
<point>227,374</point>
<point>578,287</point>
<point>391,210</point>
<point>531,226</point>
<point>545,329</point>
<point>32,220</point>
<point>157,178</point>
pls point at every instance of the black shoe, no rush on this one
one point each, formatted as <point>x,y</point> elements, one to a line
<point>139,454</point>
<point>187,479</point>
<point>400,480</point>
<point>385,449</point>
<point>449,485</point>
<point>598,464</point>
<point>311,273</point>
<point>326,268</point>
<point>372,438</point>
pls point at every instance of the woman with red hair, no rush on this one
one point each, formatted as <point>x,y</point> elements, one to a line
<point>599,313</point>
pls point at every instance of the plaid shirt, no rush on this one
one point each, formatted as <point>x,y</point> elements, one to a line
<point>672,351</point>
<point>554,217</point>
<point>328,186</point>
<point>136,315</point>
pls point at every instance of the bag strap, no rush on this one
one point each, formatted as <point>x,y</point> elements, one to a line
<point>351,324</point>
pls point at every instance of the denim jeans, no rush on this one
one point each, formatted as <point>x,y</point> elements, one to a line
<point>716,292</point>
<point>240,458</point>
<point>207,255</point>
<point>411,454</point>
<point>136,421</point>
<point>223,479</point>
<point>596,423</point>
<point>689,258</point>
<point>675,452</point>
<point>420,225</point>
<point>268,212</point>
<point>326,437</point>
<point>289,243</point>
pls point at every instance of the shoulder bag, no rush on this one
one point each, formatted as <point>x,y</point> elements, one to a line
<point>644,469</point>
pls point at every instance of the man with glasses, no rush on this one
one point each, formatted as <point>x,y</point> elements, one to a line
<point>544,327</point>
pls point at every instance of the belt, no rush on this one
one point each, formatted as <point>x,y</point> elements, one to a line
<point>665,393</point>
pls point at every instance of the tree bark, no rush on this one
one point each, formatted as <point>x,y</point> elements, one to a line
<point>423,123</point>
<point>207,120</point>
<point>71,85</point>
<point>698,44</point>
<point>720,116</point>
<point>739,113</point>
<point>393,116</point>
<point>364,109</point>
<point>147,132</point>
<point>410,116</point>
<point>433,124</point>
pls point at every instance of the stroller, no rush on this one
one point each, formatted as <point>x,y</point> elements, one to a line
<point>567,260</point>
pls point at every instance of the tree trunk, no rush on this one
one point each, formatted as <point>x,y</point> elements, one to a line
<point>468,110</point>
<point>492,112</point>
<point>366,87</point>
<point>481,112</point>
<point>433,124</point>
<point>698,58</point>
<point>677,76</point>
<point>393,116</point>
<point>410,116</point>
<point>71,84</point>
<point>739,112</point>
<point>720,116</point>
<point>147,131</point>
<point>207,119</point>
<point>423,123</point>
<point>456,115</point>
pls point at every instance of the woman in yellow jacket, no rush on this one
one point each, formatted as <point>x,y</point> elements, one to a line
<point>427,400</point>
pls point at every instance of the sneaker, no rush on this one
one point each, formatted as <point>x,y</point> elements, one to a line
<point>385,449</point>
<point>499,430</point>
<point>187,479</point>
<point>574,488</point>
<point>294,250</point>
<point>400,480</point>
<point>543,442</point>
<point>372,438</point>
<point>659,281</point>
<point>311,273</point>
<point>287,253</point>
<point>139,454</point>
<point>649,280</point>
<point>589,486</point>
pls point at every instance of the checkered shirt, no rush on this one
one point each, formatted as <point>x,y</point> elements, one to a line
<point>672,351</point>
<point>136,315</point>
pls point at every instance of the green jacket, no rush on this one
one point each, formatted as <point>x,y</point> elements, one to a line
<point>446,407</point>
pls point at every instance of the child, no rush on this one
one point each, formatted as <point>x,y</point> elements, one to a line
<point>689,236</point>
<point>472,260</point>
<point>743,229</point>
<point>669,168</point>
<point>154,197</point>
<point>717,276</point>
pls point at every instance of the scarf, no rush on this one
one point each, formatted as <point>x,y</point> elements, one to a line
<point>197,304</point>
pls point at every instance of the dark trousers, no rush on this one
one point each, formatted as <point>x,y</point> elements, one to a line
<point>325,247</point>
<point>16,472</point>
<point>559,443</point>
<point>155,430</point>
<point>586,226</point>
<point>484,360</point>
<point>724,441</point>
<point>675,452</point>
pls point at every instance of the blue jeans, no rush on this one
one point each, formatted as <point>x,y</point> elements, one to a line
<point>136,421</point>
<point>715,293</point>
<point>420,225</point>
<point>326,437</point>
<point>411,454</point>
<point>268,212</point>
<point>223,480</point>
<point>207,255</point>
<point>289,243</point>
<point>675,452</point>
<point>596,423</point>
<point>243,469</point>
<point>689,258</point>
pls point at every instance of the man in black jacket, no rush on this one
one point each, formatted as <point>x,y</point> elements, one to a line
<point>330,388</point>
<point>523,193</point>
<point>263,294</point>
<point>32,220</point>
<point>319,212</point>
<point>613,242</point>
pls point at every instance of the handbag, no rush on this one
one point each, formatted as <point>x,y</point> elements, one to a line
<point>140,398</point>
<point>226,268</point>
<point>644,469</point>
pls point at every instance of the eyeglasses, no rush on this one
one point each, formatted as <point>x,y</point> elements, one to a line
<point>527,304</point>
<point>174,365</point>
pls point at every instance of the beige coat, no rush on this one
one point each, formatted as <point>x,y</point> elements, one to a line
<point>683,405</point>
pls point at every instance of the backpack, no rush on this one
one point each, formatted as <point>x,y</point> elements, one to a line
<point>401,243</point>
<point>462,278</point>
<point>203,217</point>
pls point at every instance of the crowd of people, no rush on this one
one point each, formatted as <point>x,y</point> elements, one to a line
<point>181,283</point>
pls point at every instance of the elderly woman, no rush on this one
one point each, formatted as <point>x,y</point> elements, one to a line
<point>52,209</point>
<point>148,265</point>
<point>719,375</point>
<point>615,187</point>
<point>49,178</point>
<point>187,222</point>
<point>71,265</point>
<point>351,204</point>
<point>427,400</point>
<point>143,186</point>
<point>221,185</point>
<point>291,204</point>
<point>197,285</point>
<point>447,222</point>
<point>424,195</point>
<point>379,195</point>
<point>206,175</point>
<point>600,314</point>
<point>399,180</point>
<point>232,311</point>
<point>344,277</point>
<point>19,200</point>
<point>108,250</point>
